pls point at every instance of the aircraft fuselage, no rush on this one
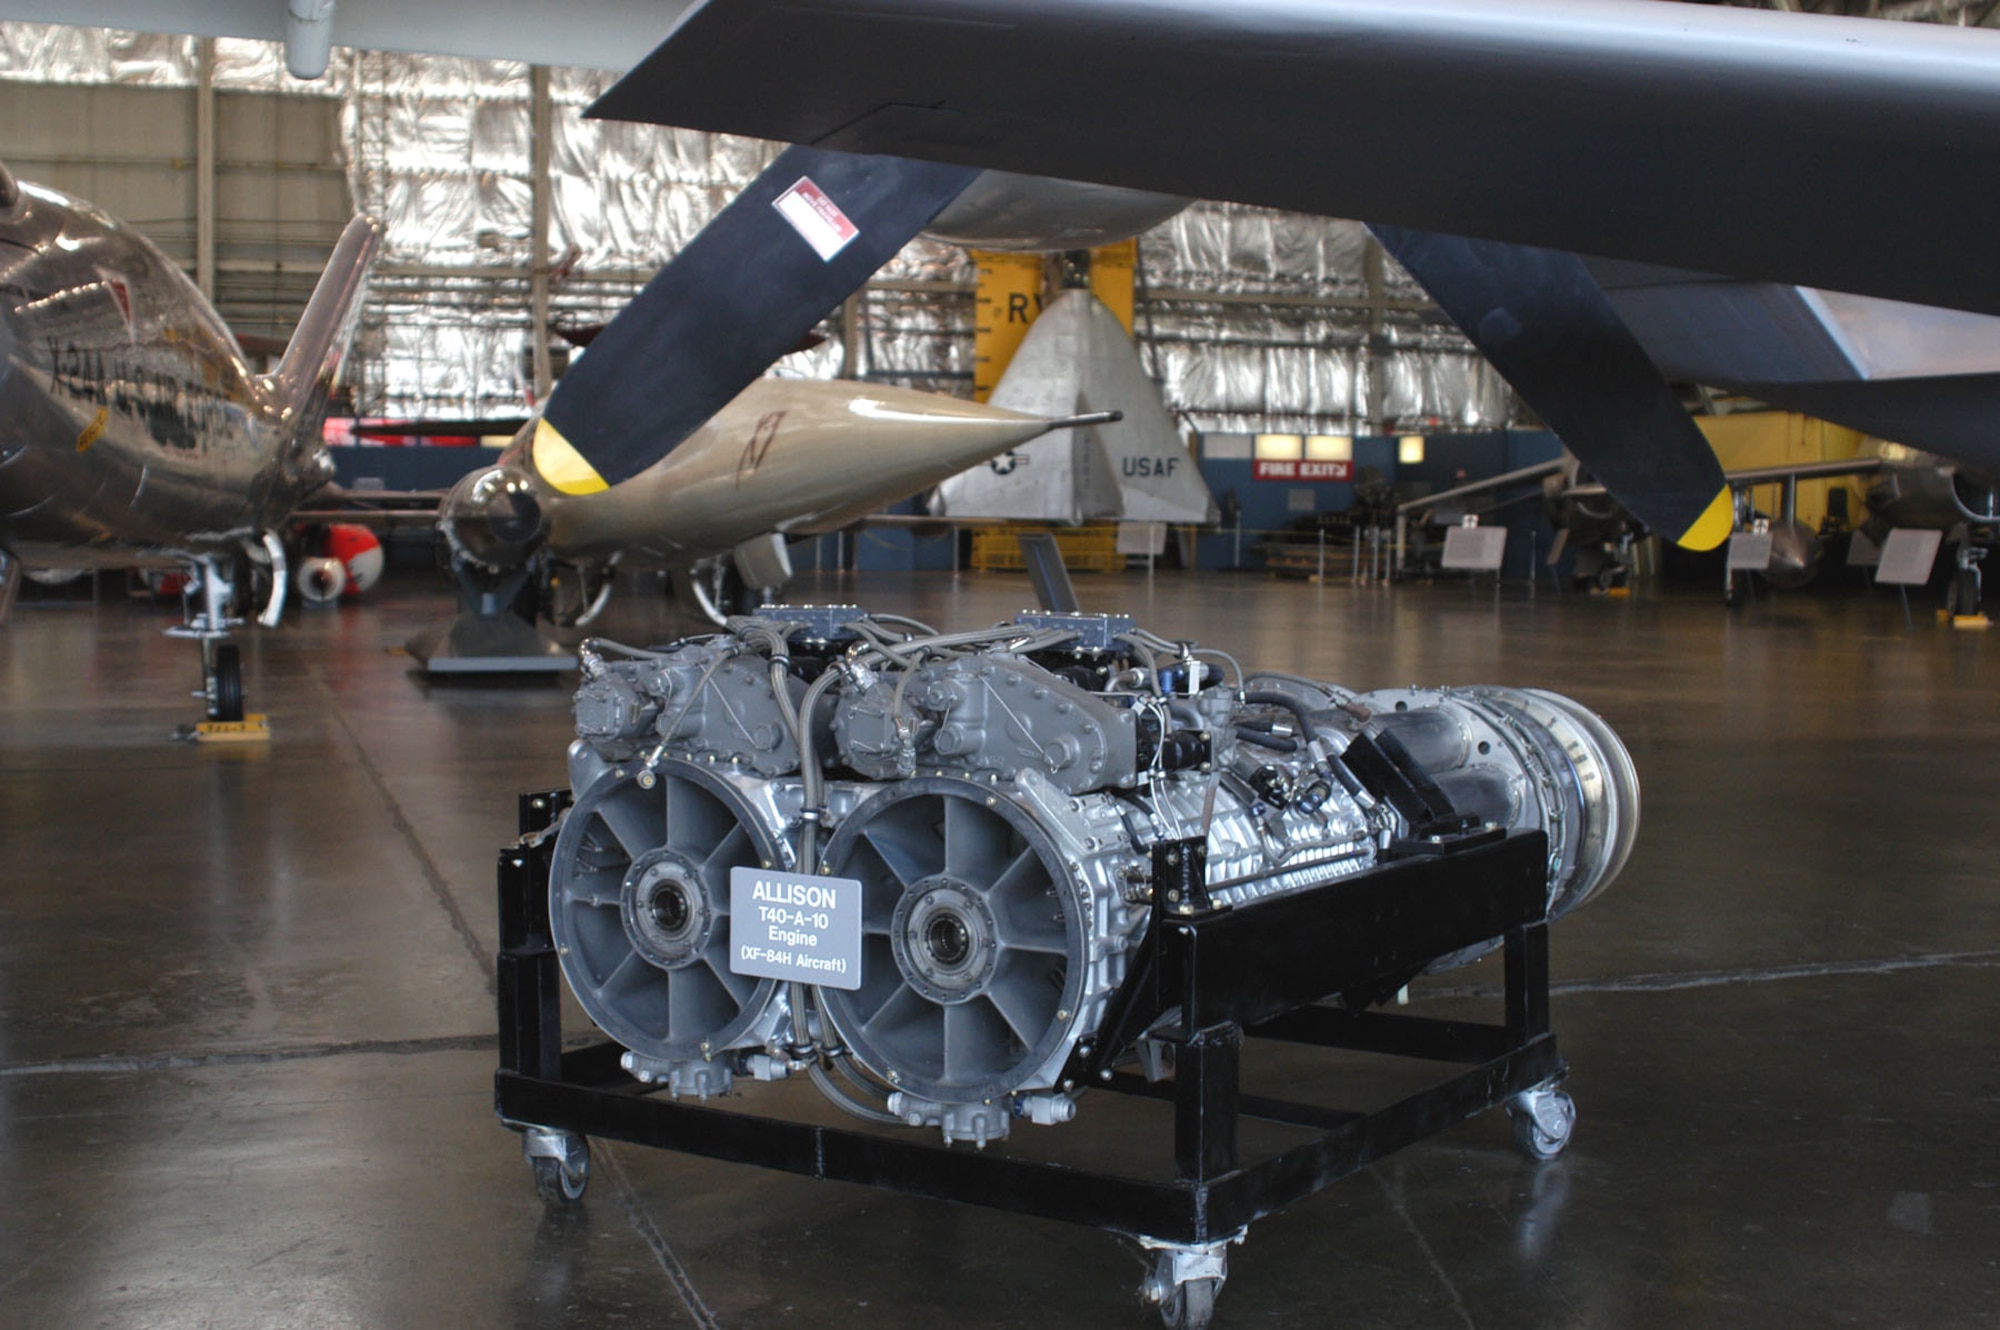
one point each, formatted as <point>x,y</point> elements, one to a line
<point>793,456</point>
<point>131,429</point>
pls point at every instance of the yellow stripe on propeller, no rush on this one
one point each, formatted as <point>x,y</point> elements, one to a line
<point>1713,526</point>
<point>562,465</point>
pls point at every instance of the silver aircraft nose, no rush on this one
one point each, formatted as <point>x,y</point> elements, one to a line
<point>493,518</point>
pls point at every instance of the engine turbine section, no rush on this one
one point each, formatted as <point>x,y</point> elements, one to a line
<point>994,800</point>
<point>985,921</point>
<point>639,909</point>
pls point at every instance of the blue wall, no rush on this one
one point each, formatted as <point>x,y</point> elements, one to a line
<point>1449,460</point>
<point>407,468</point>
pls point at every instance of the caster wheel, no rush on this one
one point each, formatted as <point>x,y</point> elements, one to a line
<point>558,1185</point>
<point>1190,1306</point>
<point>1543,1122</point>
<point>225,700</point>
<point>561,1161</point>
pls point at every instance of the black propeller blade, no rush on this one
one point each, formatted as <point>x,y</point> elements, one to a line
<point>805,234</point>
<point>1544,323</point>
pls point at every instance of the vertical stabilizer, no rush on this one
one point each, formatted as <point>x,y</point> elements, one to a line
<point>1078,359</point>
<point>312,362</point>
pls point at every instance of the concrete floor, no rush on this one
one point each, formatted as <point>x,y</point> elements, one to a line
<point>245,1021</point>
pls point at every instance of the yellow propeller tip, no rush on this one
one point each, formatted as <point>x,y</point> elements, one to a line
<point>1713,526</point>
<point>560,464</point>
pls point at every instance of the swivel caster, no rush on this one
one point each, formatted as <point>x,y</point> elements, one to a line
<point>1543,1118</point>
<point>1185,1280</point>
<point>561,1161</point>
<point>1190,1305</point>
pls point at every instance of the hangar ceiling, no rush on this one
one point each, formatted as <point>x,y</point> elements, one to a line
<point>1966,13</point>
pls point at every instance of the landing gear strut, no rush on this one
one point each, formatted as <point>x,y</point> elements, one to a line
<point>208,598</point>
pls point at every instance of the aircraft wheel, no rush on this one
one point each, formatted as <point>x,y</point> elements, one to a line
<point>736,596</point>
<point>225,685</point>
<point>573,592</point>
<point>1965,591</point>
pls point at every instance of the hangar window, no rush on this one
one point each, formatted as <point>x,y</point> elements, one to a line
<point>1279,448</point>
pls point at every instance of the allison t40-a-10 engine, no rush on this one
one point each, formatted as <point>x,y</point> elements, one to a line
<point>915,865</point>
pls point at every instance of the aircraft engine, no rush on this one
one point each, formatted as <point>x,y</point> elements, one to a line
<point>1795,555</point>
<point>998,796</point>
<point>320,580</point>
<point>343,560</point>
<point>493,519</point>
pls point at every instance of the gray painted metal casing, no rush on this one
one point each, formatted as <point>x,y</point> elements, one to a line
<point>1002,830</point>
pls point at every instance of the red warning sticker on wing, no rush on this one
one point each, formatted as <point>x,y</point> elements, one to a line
<point>816,217</point>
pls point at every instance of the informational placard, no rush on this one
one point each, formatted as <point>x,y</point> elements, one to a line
<point>1749,551</point>
<point>1475,549</point>
<point>1863,552</point>
<point>795,926</point>
<point>1142,538</point>
<point>1908,556</point>
<point>816,217</point>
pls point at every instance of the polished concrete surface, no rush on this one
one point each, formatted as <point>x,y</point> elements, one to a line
<point>246,1027</point>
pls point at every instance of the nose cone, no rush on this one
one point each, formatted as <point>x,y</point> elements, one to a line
<point>514,516</point>
<point>494,518</point>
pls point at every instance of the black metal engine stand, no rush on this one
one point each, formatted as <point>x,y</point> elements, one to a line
<point>1263,971</point>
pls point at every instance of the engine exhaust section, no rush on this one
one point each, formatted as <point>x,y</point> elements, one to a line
<point>1011,813</point>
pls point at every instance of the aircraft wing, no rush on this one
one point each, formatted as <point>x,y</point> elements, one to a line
<point>1848,154</point>
<point>380,509</point>
<point>1749,476</point>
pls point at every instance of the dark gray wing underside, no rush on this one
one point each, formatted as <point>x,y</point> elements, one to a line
<point>1847,154</point>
